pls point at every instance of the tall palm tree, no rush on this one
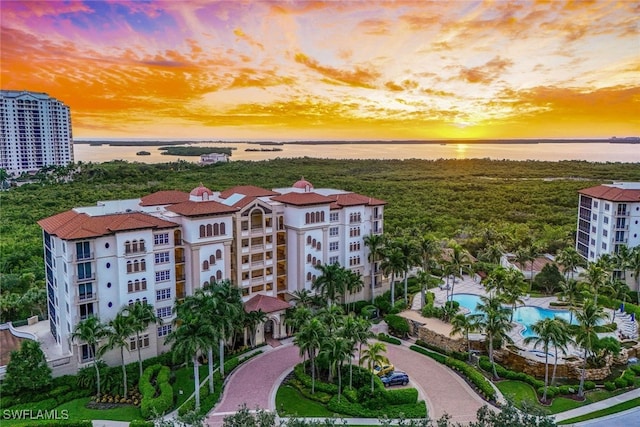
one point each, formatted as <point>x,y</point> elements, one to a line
<point>141,316</point>
<point>496,280</point>
<point>411,258</point>
<point>588,318</point>
<point>91,331</point>
<point>560,339</point>
<point>392,265</point>
<point>188,340</point>
<point>375,243</point>
<point>297,317</point>
<point>226,313</point>
<point>362,334</point>
<point>331,317</point>
<point>117,334</point>
<point>462,324</point>
<point>595,277</point>
<point>495,323</point>
<point>633,264</point>
<point>349,331</point>
<point>513,289</point>
<point>460,261</point>
<point>570,291</point>
<point>570,259</point>
<point>352,284</point>
<point>423,278</point>
<point>544,330</point>
<point>331,281</point>
<point>302,297</point>
<point>251,320</point>
<point>617,289</point>
<point>309,339</point>
<point>335,350</point>
<point>373,356</point>
<point>428,250</point>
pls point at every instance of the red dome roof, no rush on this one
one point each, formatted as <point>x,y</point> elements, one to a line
<point>201,192</point>
<point>303,183</point>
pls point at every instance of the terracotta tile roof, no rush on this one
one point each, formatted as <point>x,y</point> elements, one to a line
<point>354,199</point>
<point>164,198</point>
<point>190,208</point>
<point>247,190</point>
<point>538,264</point>
<point>265,303</point>
<point>73,225</point>
<point>613,194</point>
<point>303,199</point>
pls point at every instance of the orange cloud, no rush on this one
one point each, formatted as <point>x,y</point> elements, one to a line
<point>359,77</point>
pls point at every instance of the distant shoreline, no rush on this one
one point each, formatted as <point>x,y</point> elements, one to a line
<point>386,142</point>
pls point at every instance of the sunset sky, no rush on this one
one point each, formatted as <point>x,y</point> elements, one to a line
<point>330,70</point>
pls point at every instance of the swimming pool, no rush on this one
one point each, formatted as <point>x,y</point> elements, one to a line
<point>526,316</point>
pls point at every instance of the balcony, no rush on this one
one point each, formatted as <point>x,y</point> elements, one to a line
<point>85,278</point>
<point>88,297</point>
<point>623,213</point>
<point>84,257</point>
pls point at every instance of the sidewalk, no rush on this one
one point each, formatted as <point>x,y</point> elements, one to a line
<point>596,406</point>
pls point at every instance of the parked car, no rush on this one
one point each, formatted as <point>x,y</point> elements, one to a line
<point>381,370</point>
<point>395,378</point>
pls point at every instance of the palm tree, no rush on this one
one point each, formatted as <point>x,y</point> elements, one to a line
<point>428,251</point>
<point>459,261</point>
<point>226,313</point>
<point>570,259</point>
<point>335,349</point>
<point>251,320</point>
<point>362,334</point>
<point>297,317</point>
<point>513,289</point>
<point>349,331</point>
<point>594,277</point>
<point>373,356</point>
<point>188,340</point>
<point>544,330</point>
<point>330,283</point>
<point>410,255</point>
<point>352,283</point>
<point>302,297</point>
<point>496,280</point>
<point>375,243</point>
<point>495,323</point>
<point>391,265</point>
<point>117,334</point>
<point>586,337</point>
<point>633,264</point>
<point>91,331</point>
<point>560,338</point>
<point>462,324</point>
<point>423,278</point>
<point>140,315</point>
<point>331,317</point>
<point>618,290</point>
<point>570,291</point>
<point>492,253</point>
<point>309,339</point>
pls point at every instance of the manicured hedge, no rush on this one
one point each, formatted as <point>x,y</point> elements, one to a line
<point>483,384</point>
<point>502,372</point>
<point>401,396</point>
<point>141,423</point>
<point>397,325</point>
<point>164,401</point>
<point>387,338</point>
<point>414,410</point>
<point>435,356</point>
<point>464,356</point>
<point>306,379</point>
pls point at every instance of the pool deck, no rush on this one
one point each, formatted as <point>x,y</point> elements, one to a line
<point>470,286</point>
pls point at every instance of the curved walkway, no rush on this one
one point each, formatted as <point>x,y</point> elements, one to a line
<point>256,382</point>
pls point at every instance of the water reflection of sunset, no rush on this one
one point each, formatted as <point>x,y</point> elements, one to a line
<point>461,151</point>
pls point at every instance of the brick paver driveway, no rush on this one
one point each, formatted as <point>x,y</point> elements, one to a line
<point>255,381</point>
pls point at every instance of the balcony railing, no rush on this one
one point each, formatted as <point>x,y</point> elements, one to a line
<point>82,298</point>
<point>84,256</point>
<point>85,278</point>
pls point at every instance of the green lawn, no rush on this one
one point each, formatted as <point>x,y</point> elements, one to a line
<point>291,403</point>
<point>607,411</point>
<point>184,382</point>
<point>77,411</point>
<point>518,392</point>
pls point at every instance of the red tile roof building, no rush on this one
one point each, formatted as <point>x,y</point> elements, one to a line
<point>163,246</point>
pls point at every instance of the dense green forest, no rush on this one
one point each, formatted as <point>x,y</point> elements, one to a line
<point>459,199</point>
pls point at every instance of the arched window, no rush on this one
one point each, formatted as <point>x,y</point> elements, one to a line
<point>309,276</point>
<point>309,258</point>
<point>142,247</point>
<point>216,229</point>
<point>313,278</point>
<point>219,253</point>
<point>322,216</point>
<point>223,230</point>
<point>134,246</point>
<point>209,230</point>
<point>314,261</point>
<point>129,286</point>
<point>205,265</point>
<point>218,275</point>
<point>136,285</point>
<point>202,231</point>
<point>136,265</point>
<point>319,246</point>
<point>127,247</point>
<point>212,280</point>
<point>307,218</point>
<point>143,265</point>
<point>144,300</point>
<point>144,284</point>
<point>129,266</point>
<point>212,259</point>
<point>313,243</point>
<point>308,240</point>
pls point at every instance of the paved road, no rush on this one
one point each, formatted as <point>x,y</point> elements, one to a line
<point>627,418</point>
<point>443,390</point>
<point>256,382</point>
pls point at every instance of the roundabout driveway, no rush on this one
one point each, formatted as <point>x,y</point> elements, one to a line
<point>255,383</point>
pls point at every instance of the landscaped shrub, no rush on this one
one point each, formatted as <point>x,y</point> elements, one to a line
<point>306,379</point>
<point>609,385</point>
<point>350,393</point>
<point>502,372</point>
<point>416,410</point>
<point>483,385</point>
<point>387,338</point>
<point>141,423</point>
<point>435,356</point>
<point>589,385</point>
<point>464,356</point>
<point>567,389</point>
<point>552,391</point>
<point>318,396</point>
<point>152,404</point>
<point>635,369</point>
<point>401,396</point>
<point>620,382</point>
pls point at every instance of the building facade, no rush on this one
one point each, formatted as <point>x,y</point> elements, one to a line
<point>161,247</point>
<point>608,217</point>
<point>35,132</point>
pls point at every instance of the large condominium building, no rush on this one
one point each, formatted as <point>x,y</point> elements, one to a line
<point>165,245</point>
<point>35,131</point>
<point>608,217</point>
